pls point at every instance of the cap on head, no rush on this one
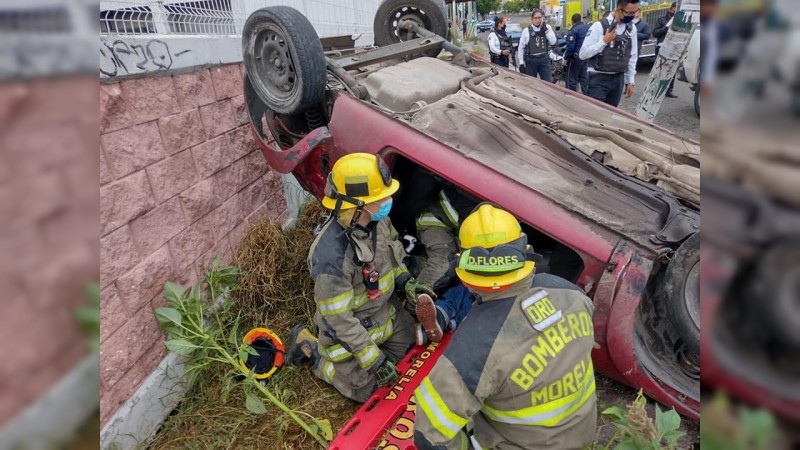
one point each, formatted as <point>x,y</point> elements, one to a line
<point>358,177</point>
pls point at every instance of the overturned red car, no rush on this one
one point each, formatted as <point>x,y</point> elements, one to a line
<point>611,201</point>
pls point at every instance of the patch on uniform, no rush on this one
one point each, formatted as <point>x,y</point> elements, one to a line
<point>540,310</point>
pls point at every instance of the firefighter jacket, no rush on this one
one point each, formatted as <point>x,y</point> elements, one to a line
<point>520,368</point>
<point>350,324</point>
<point>439,214</point>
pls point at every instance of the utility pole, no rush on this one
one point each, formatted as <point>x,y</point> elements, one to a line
<point>670,55</point>
<point>455,21</point>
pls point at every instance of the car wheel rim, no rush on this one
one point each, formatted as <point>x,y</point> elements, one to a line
<point>273,61</point>
<point>691,294</point>
<point>409,13</point>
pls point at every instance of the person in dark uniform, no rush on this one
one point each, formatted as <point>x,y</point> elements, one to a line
<point>611,47</point>
<point>642,29</point>
<point>499,43</point>
<point>576,67</point>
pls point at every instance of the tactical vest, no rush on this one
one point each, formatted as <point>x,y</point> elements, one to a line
<point>537,41</point>
<point>505,44</point>
<point>615,56</point>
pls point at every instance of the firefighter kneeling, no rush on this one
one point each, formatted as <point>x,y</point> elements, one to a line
<point>519,366</point>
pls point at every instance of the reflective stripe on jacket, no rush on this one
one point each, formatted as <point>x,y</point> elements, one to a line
<point>351,325</point>
<point>520,367</point>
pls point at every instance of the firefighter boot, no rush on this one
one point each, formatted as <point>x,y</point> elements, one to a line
<point>302,348</point>
<point>429,316</point>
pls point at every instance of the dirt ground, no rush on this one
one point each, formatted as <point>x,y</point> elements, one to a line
<point>611,393</point>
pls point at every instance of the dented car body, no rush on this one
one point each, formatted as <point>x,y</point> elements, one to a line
<point>614,200</point>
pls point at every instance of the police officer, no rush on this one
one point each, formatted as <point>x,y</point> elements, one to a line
<point>660,32</point>
<point>519,366</point>
<point>499,43</point>
<point>576,67</point>
<point>534,47</point>
<point>356,264</point>
<point>611,47</point>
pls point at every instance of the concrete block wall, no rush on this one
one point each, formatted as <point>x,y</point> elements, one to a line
<point>181,179</point>
<point>48,234</point>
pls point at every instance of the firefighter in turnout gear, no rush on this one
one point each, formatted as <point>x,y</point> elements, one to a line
<point>436,227</point>
<point>611,47</point>
<point>359,282</point>
<point>519,367</point>
<point>500,46</point>
<point>534,48</point>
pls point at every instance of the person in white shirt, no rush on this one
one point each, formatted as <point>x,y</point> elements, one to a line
<point>499,43</point>
<point>534,48</point>
<point>611,47</point>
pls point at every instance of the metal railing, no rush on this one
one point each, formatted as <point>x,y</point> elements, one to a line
<point>203,17</point>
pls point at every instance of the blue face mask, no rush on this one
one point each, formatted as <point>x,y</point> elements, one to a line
<point>627,19</point>
<point>383,212</point>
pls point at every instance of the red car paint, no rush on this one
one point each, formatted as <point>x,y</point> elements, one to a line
<point>719,267</point>
<point>615,271</point>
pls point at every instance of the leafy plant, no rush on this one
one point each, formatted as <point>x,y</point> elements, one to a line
<point>637,431</point>
<point>203,327</point>
<point>88,317</point>
<point>724,428</point>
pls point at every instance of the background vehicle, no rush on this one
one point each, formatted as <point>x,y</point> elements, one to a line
<point>689,70</point>
<point>514,30</point>
<point>589,182</point>
<point>485,25</point>
<point>648,51</point>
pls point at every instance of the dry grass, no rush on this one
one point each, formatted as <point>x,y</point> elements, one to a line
<point>276,292</point>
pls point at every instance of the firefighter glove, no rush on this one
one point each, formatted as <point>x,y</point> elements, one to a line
<point>386,374</point>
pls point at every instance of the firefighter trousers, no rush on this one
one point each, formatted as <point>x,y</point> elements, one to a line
<point>356,383</point>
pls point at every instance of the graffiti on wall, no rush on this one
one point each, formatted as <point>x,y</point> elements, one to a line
<point>35,56</point>
<point>119,58</point>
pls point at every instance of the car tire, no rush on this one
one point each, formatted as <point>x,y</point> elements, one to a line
<point>284,59</point>
<point>774,294</point>
<point>682,289</point>
<point>427,13</point>
<point>697,100</point>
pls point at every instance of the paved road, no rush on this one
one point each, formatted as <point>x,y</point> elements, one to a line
<point>676,114</point>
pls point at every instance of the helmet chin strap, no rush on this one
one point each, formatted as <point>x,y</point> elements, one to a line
<point>360,206</point>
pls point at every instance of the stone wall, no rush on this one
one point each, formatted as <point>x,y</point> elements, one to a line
<point>181,178</point>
